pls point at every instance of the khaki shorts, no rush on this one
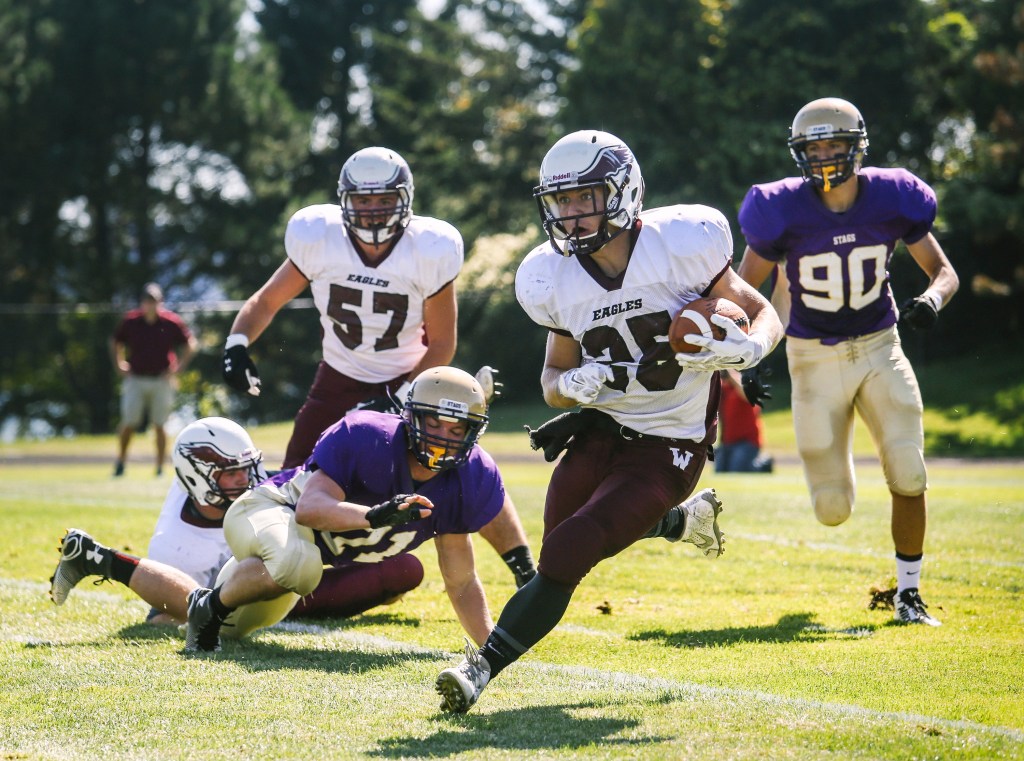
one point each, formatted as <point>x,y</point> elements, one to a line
<point>869,374</point>
<point>143,395</point>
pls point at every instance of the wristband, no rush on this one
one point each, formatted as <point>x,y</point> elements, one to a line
<point>934,298</point>
<point>236,339</point>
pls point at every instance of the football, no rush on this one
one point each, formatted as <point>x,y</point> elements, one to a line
<point>693,319</point>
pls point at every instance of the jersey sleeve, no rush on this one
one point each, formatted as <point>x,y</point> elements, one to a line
<point>440,253</point>
<point>535,287</point>
<point>719,234</point>
<point>336,453</point>
<point>917,205</point>
<point>305,240</point>
<point>761,226</point>
<point>483,494</point>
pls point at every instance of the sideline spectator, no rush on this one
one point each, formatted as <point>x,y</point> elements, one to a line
<point>739,447</point>
<point>149,348</point>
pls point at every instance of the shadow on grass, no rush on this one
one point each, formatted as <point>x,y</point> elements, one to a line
<point>258,656</point>
<point>532,730</point>
<point>793,627</point>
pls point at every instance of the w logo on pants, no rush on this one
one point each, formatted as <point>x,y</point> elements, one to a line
<point>680,459</point>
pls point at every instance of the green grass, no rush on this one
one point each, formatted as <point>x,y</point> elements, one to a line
<point>768,652</point>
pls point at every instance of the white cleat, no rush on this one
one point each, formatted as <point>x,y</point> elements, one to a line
<point>460,687</point>
<point>700,526</point>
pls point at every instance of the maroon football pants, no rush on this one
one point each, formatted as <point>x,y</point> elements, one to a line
<point>330,397</point>
<point>351,590</point>
<point>606,493</point>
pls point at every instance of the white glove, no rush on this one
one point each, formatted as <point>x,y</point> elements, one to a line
<point>583,384</point>
<point>734,352</point>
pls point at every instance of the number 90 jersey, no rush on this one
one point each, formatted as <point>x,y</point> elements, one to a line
<point>837,265</point>
<point>372,313</point>
<point>679,254</point>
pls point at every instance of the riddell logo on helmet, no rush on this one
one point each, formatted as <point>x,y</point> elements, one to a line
<point>562,177</point>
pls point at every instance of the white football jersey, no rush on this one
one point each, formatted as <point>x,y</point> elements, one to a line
<point>372,314</point>
<point>623,322</point>
<point>199,551</point>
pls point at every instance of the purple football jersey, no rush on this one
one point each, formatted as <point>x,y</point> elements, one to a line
<point>365,454</point>
<point>838,264</point>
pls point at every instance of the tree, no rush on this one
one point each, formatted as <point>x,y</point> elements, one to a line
<point>136,137</point>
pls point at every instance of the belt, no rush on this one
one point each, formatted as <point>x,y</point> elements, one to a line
<point>605,422</point>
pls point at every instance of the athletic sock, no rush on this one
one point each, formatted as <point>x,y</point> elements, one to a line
<point>671,526</point>
<point>220,610</point>
<point>908,571</point>
<point>520,562</point>
<point>528,616</point>
<point>122,566</point>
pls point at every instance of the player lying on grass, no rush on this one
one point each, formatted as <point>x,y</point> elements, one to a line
<point>216,462</point>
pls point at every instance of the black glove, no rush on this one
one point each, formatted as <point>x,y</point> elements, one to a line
<point>754,387</point>
<point>240,371</point>
<point>918,313</point>
<point>520,562</point>
<point>554,435</point>
<point>389,514</point>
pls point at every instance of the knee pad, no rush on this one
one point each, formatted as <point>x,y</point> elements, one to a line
<point>300,571</point>
<point>832,506</point>
<point>905,472</point>
<point>571,550</point>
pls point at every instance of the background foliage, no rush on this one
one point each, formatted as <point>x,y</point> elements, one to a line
<point>147,140</point>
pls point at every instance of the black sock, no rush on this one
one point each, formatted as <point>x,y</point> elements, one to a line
<point>122,566</point>
<point>670,526</point>
<point>532,612</point>
<point>220,610</point>
<point>520,562</point>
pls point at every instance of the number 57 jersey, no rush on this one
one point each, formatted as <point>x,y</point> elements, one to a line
<point>679,253</point>
<point>372,312</point>
<point>837,265</point>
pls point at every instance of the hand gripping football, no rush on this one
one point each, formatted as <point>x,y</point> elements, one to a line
<point>694,319</point>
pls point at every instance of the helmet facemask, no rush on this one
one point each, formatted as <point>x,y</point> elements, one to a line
<point>444,394</point>
<point>376,226</point>
<point>568,238</point>
<point>832,171</point>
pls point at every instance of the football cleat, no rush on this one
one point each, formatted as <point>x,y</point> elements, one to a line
<point>699,524</point>
<point>460,687</point>
<point>80,556</point>
<point>202,632</point>
<point>910,609</point>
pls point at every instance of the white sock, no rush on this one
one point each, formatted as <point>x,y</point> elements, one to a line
<point>908,573</point>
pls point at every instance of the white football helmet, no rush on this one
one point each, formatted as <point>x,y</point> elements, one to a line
<point>376,171</point>
<point>449,394</point>
<point>208,447</point>
<point>589,158</point>
<point>828,119</point>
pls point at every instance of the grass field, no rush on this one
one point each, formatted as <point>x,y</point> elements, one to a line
<point>768,652</point>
